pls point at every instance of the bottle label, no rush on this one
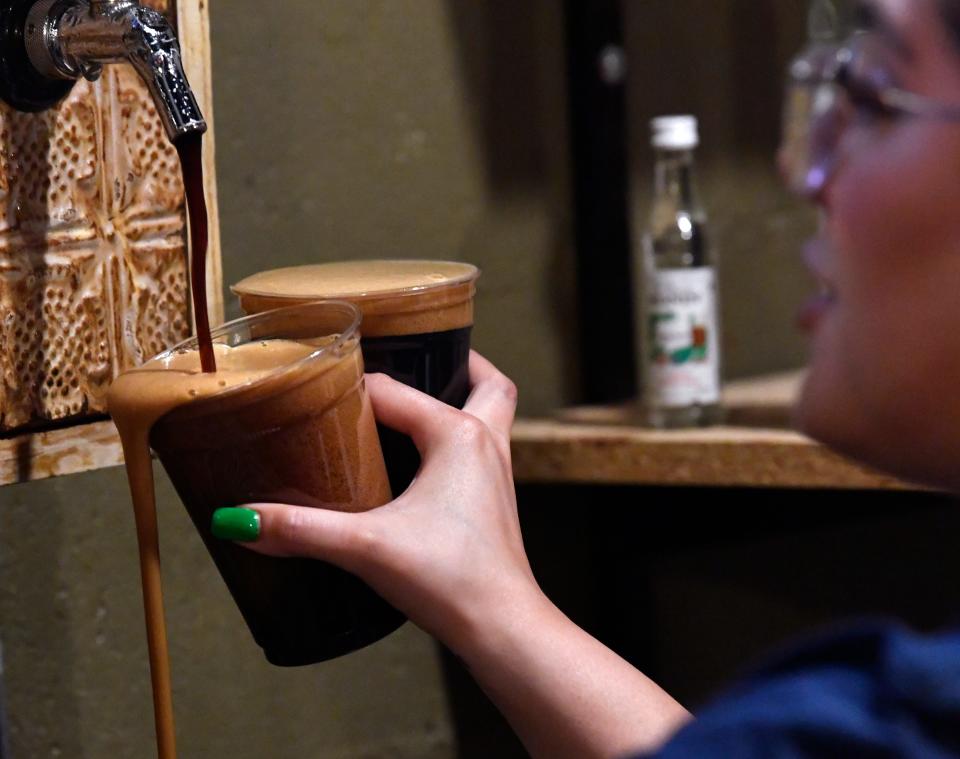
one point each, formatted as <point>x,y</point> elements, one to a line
<point>682,350</point>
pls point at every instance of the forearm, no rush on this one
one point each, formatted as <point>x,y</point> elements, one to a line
<point>564,693</point>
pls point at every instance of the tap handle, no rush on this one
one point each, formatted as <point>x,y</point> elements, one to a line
<point>63,40</point>
<point>155,53</point>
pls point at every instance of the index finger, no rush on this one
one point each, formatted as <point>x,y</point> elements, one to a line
<point>493,399</point>
<point>404,409</point>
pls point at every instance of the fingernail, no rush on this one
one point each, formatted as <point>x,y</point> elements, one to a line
<point>236,524</point>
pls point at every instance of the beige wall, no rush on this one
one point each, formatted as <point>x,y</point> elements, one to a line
<point>362,128</point>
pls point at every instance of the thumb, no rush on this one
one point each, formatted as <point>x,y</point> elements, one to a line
<point>279,530</point>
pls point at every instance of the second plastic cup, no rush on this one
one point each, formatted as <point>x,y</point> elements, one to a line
<point>417,320</point>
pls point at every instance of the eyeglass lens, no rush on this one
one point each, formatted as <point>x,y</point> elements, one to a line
<point>811,124</point>
<point>829,85</point>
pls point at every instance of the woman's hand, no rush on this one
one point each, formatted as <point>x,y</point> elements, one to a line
<point>448,551</point>
<point>448,554</point>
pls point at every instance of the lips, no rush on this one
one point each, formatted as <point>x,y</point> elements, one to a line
<point>816,255</point>
<point>813,310</point>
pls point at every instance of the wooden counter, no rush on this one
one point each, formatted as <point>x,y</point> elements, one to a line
<point>607,445</point>
<point>70,450</point>
<point>585,445</point>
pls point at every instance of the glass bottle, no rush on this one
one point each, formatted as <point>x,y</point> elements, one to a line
<point>680,329</point>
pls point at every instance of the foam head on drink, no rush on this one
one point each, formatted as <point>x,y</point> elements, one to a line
<point>396,297</point>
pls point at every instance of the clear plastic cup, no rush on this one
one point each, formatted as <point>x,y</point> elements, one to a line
<point>303,434</point>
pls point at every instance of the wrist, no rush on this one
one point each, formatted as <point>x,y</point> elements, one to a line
<point>508,619</point>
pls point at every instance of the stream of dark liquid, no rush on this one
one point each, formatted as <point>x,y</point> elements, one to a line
<point>191,163</point>
<point>137,454</point>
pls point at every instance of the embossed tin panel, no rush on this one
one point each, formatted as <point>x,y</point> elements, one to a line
<point>93,261</point>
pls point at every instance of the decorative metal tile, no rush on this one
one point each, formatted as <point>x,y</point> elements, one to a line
<point>93,275</point>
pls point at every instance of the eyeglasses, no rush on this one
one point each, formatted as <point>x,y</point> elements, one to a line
<point>829,87</point>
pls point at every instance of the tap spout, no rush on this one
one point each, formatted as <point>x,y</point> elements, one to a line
<point>68,39</point>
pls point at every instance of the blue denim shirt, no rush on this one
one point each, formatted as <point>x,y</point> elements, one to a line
<point>873,691</point>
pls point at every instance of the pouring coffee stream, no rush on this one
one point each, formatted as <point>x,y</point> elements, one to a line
<point>45,46</point>
<point>189,148</point>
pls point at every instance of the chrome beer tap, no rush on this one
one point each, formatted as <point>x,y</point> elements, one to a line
<point>52,43</point>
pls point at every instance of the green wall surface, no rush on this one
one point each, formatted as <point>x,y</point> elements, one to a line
<point>76,676</point>
<point>725,61</point>
<point>406,129</point>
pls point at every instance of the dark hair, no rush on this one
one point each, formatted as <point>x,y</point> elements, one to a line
<point>950,10</point>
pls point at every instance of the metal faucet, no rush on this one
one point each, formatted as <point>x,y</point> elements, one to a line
<point>67,39</point>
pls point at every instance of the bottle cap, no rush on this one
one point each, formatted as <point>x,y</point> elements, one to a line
<point>675,133</point>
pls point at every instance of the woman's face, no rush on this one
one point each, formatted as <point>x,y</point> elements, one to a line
<point>884,381</point>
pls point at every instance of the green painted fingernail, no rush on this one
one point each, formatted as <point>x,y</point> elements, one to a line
<point>236,524</point>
